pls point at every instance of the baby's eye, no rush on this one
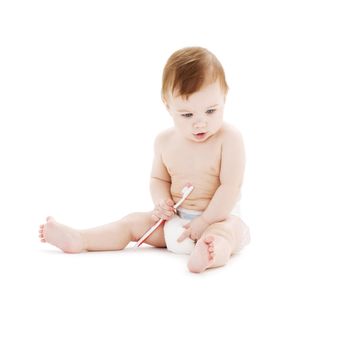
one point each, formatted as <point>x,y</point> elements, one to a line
<point>187,115</point>
<point>211,111</point>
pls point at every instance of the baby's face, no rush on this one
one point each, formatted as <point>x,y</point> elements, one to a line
<point>201,116</point>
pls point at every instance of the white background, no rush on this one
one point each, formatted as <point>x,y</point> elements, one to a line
<point>80,106</point>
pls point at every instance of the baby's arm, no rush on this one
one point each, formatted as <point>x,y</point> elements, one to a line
<point>231,178</point>
<point>160,184</point>
<point>160,178</point>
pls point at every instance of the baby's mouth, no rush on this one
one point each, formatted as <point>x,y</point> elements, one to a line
<point>200,135</point>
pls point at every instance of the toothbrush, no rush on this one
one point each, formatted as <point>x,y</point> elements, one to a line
<point>185,193</point>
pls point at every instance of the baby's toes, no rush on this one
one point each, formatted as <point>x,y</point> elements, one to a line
<point>211,256</point>
<point>42,238</point>
<point>49,218</point>
<point>209,239</point>
<point>42,232</point>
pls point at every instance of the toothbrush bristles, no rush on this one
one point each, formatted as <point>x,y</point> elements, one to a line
<point>187,187</point>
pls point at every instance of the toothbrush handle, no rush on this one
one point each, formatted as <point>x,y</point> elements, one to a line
<point>181,200</point>
<point>148,233</point>
<point>154,227</point>
<point>179,203</point>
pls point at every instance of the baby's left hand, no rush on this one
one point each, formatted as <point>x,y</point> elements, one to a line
<point>194,229</point>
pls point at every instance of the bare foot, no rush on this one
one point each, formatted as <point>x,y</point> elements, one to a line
<point>202,256</point>
<point>63,237</point>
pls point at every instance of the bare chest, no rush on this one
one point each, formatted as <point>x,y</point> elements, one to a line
<point>196,161</point>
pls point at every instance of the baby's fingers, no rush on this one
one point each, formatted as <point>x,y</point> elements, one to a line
<point>184,235</point>
<point>166,209</point>
<point>155,217</point>
<point>161,214</point>
<point>167,213</point>
<point>170,203</point>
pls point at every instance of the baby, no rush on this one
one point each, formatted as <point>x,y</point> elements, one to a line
<point>201,149</point>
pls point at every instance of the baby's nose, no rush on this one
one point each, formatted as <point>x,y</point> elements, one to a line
<point>200,124</point>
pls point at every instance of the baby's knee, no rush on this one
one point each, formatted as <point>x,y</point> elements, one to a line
<point>223,235</point>
<point>138,223</point>
<point>218,229</point>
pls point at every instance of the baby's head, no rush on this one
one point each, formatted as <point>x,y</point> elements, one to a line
<point>194,91</point>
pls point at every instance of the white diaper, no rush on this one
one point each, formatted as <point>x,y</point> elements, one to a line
<point>173,229</point>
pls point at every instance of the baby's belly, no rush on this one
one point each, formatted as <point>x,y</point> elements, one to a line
<point>203,192</point>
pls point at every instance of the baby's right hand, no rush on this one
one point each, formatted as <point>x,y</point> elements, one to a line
<point>163,210</point>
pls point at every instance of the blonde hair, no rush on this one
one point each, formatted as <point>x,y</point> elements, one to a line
<point>188,69</point>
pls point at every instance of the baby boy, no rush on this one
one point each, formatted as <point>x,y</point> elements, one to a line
<point>200,149</point>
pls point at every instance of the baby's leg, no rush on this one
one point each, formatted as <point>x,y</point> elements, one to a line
<point>218,243</point>
<point>113,236</point>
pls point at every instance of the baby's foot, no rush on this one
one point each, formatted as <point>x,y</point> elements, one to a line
<point>61,236</point>
<point>202,256</point>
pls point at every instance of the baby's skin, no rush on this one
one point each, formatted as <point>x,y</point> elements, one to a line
<point>210,251</point>
<point>63,237</point>
<point>199,163</point>
<point>213,162</point>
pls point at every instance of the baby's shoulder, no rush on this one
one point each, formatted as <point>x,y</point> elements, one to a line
<point>163,137</point>
<point>229,132</point>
